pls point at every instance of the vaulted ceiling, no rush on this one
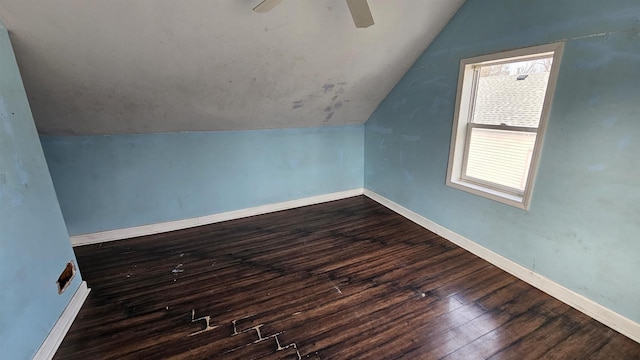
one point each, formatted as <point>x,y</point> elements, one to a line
<point>142,66</point>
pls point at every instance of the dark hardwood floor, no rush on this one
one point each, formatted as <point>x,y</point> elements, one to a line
<point>342,280</point>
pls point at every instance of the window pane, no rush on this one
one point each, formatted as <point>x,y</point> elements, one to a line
<point>512,93</point>
<point>500,157</point>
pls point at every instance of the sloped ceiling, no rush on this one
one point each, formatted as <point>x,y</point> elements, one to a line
<point>142,66</point>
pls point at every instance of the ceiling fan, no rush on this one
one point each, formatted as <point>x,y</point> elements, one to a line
<point>359,11</point>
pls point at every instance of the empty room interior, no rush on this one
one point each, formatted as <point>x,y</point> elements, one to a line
<point>320,179</point>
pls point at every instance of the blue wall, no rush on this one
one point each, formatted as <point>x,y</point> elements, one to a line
<point>34,243</point>
<point>113,182</point>
<point>583,227</point>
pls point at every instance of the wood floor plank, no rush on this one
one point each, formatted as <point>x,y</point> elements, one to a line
<point>543,339</point>
<point>347,279</point>
<point>618,347</point>
<point>457,329</point>
<point>583,341</point>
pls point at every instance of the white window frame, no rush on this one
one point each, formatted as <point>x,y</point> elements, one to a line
<point>467,80</point>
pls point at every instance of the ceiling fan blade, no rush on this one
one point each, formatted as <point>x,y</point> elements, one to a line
<point>361,13</point>
<point>266,5</point>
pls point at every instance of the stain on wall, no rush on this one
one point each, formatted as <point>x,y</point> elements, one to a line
<point>334,91</point>
<point>582,228</point>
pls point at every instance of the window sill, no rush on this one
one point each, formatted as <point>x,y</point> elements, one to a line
<point>489,193</point>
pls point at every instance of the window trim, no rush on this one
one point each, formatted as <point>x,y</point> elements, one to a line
<point>458,150</point>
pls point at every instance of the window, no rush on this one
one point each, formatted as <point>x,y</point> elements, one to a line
<point>502,107</point>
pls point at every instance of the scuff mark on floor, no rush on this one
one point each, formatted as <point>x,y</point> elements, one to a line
<point>292,345</point>
<point>256,328</point>
<point>177,269</point>
<point>207,320</point>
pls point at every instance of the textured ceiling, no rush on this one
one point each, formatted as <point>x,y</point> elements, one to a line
<point>140,66</point>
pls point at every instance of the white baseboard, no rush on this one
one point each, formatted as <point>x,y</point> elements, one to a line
<point>589,307</point>
<point>118,234</point>
<point>56,335</point>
